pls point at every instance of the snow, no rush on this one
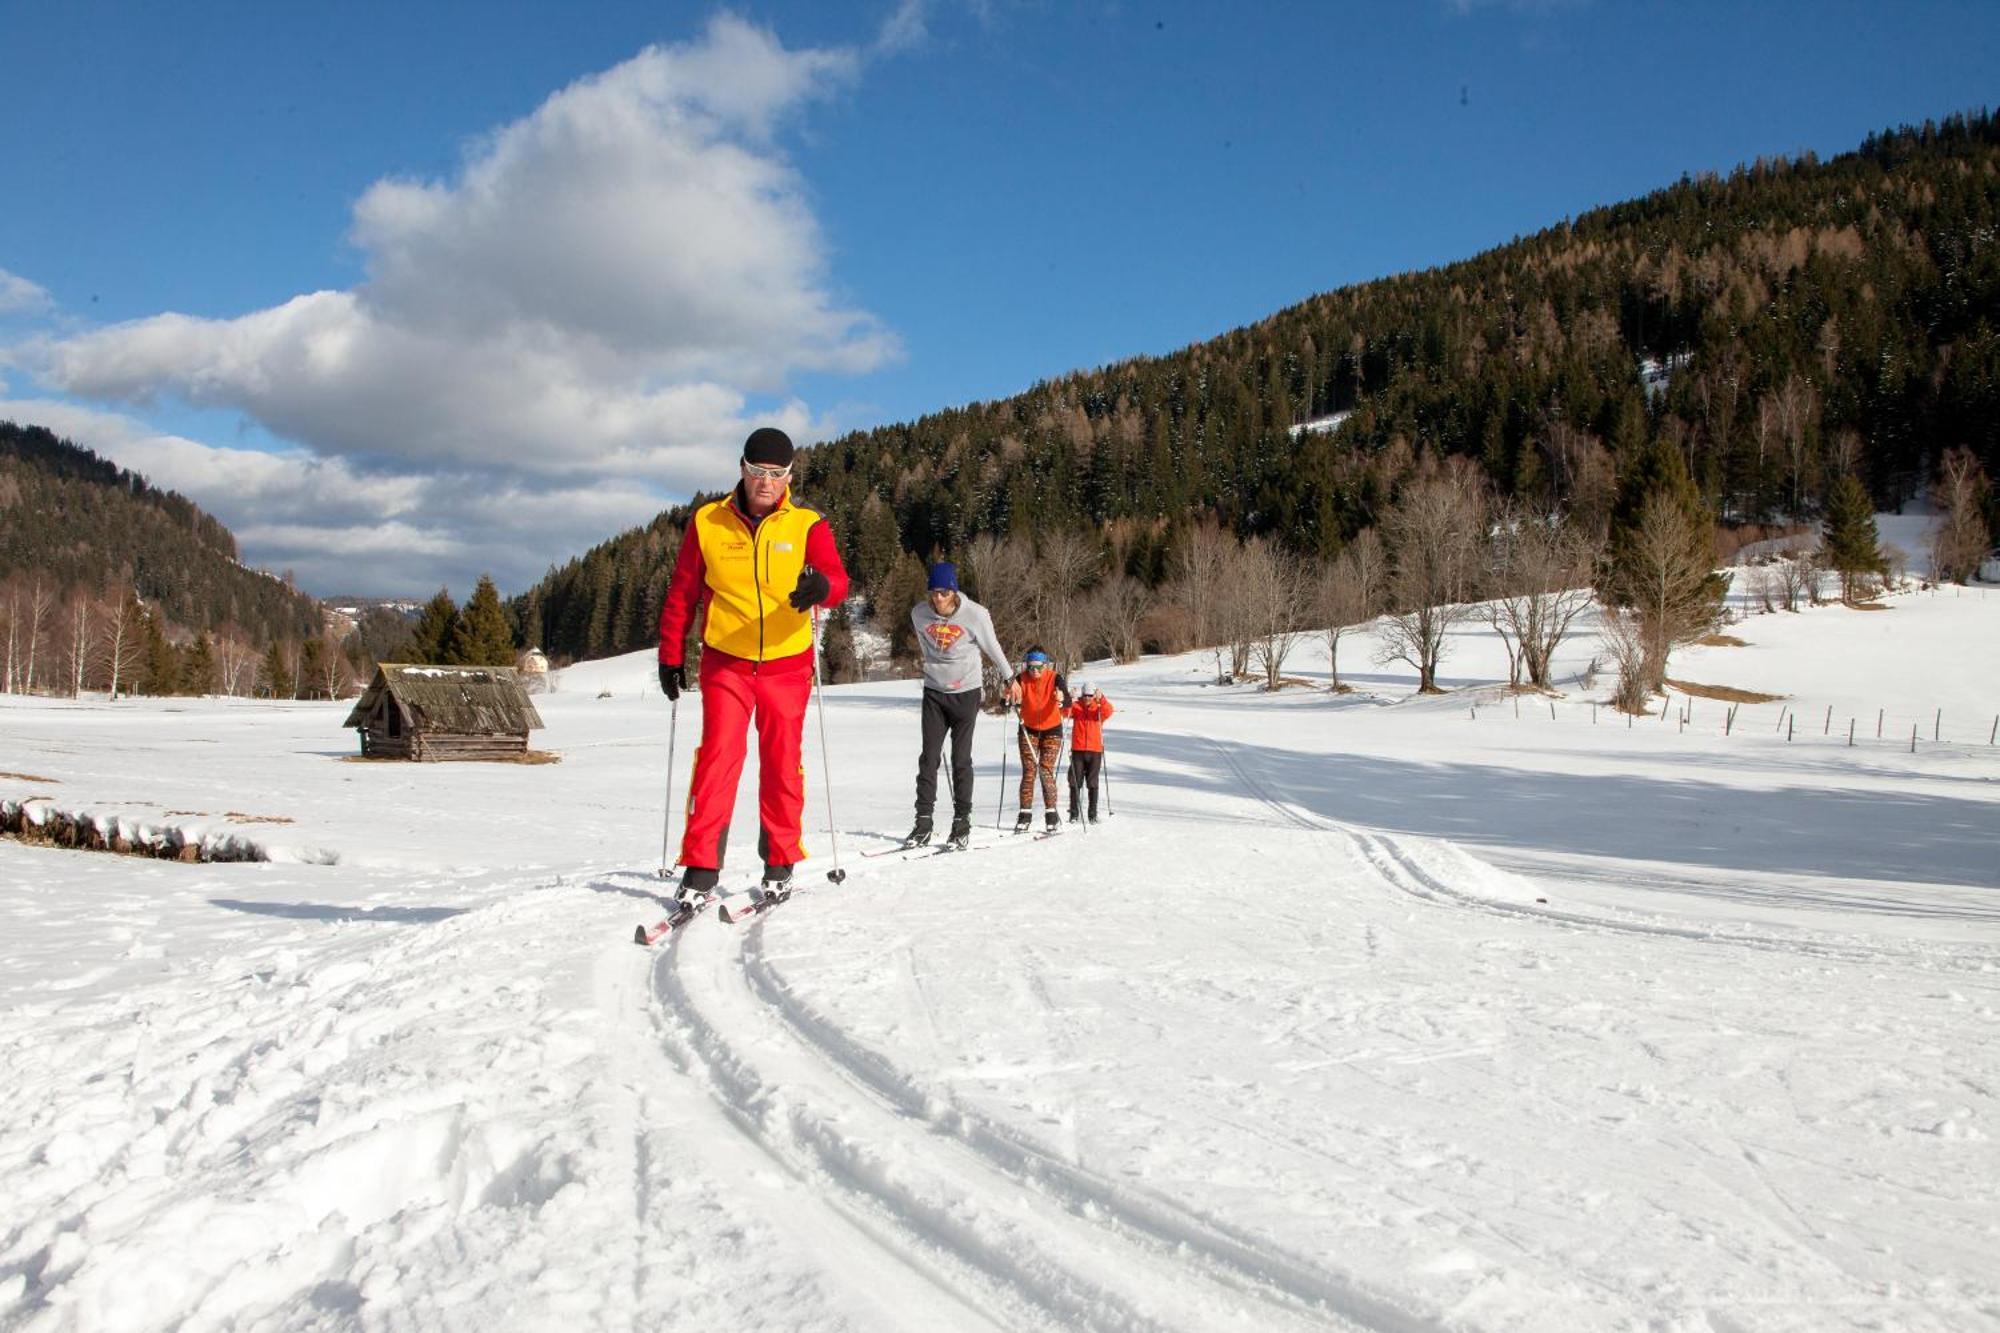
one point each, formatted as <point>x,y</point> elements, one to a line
<point>1368,1011</point>
<point>1325,425</point>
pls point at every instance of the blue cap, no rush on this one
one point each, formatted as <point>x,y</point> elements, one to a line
<point>944,575</point>
<point>1037,657</point>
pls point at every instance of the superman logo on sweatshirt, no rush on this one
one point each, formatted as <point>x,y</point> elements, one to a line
<point>944,634</point>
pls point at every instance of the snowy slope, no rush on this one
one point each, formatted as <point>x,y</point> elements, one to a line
<point>1359,1012</point>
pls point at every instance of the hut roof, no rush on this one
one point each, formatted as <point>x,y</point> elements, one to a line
<point>464,699</point>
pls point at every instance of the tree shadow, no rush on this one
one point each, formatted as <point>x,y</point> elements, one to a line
<point>1874,834</point>
<point>405,916</point>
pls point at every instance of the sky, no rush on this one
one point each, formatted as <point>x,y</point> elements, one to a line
<point>409,293</point>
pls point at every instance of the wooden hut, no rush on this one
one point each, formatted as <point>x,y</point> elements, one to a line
<point>443,712</point>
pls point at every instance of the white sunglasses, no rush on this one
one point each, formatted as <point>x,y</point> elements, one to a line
<point>758,472</point>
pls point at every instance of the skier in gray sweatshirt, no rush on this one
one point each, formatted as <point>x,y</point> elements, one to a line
<point>952,633</point>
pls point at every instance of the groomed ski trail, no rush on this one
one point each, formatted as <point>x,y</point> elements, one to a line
<point>977,1213</point>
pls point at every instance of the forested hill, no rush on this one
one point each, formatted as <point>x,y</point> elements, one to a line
<point>89,526</point>
<point>1782,325</point>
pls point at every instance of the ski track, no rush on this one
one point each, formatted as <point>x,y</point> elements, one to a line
<point>991,1220</point>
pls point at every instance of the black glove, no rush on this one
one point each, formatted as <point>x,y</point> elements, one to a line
<point>673,679</point>
<point>811,590</point>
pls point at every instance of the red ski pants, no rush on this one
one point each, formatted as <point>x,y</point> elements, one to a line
<point>733,690</point>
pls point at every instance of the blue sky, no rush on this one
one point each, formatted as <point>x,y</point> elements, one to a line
<point>404,293</point>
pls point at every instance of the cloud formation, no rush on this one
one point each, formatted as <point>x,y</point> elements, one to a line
<point>18,296</point>
<point>586,307</point>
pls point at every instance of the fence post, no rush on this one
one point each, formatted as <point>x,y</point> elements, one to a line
<point>1878,723</point>
<point>1782,710</point>
<point>1827,730</point>
<point>1517,707</point>
<point>1788,731</point>
<point>1996,729</point>
<point>1937,724</point>
<point>1913,738</point>
<point>1850,733</point>
<point>1552,710</point>
<point>1475,712</point>
<point>1729,719</point>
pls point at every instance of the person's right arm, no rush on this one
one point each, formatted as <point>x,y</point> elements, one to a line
<point>684,593</point>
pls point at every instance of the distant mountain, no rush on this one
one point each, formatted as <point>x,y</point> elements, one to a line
<point>83,522</point>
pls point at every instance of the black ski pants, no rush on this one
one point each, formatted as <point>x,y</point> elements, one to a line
<point>1084,768</point>
<point>953,713</point>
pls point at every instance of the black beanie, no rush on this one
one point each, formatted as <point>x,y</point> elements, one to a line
<point>768,447</point>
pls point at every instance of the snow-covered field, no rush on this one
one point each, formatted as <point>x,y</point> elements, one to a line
<point>1369,1012</point>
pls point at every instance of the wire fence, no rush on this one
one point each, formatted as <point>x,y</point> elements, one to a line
<point>1789,720</point>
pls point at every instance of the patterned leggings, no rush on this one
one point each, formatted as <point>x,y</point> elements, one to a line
<point>1039,754</point>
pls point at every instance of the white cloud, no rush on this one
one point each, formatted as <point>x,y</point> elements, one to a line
<point>599,290</point>
<point>19,296</point>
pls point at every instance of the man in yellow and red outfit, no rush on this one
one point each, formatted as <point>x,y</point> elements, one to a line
<point>762,564</point>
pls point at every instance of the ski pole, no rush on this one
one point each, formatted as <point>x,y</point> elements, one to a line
<point>667,822</point>
<point>835,875</point>
<point>1104,771</point>
<point>1000,810</point>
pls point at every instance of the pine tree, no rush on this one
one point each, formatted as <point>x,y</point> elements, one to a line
<point>312,669</point>
<point>480,636</point>
<point>275,675</point>
<point>840,660</point>
<point>431,639</point>
<point>1852,544</point>
<point>162,668</point>
<point>198,674</point>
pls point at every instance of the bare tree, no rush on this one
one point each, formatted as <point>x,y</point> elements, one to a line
<point>1797,405</point>
<point>1003,570</point>
<point>336,675</point>
<point>1199,569</point>
<point>41,601</point>
<point>1624,637</point>
<point>1065,569</point>
<point>1669,582</point>
<point>1119,611</point>
<point>80,608</point>
<point>1960,540</point>
<point>1276,590</point>
<point>1792,579</point>
<point>235,660</point>
<point>1343,600</point>
<point>1542,565</point>
<point>120,637</point>
<point>1433,532</point>
<point>11,614</point>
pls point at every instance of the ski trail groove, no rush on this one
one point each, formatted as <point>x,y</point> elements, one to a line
<point>1154,1225</point>
<point>927,1235</point>
<point>822,1224</point>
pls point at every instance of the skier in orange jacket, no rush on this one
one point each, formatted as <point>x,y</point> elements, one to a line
<point>1086,747</point>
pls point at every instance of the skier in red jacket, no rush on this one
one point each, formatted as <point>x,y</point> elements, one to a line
<point>761,563</point>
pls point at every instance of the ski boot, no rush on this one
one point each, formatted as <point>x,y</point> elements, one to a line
<point>697,886</point>
<point>777,885</point>
<point>961,833</point>
<point>1050,824</point>
<point>1021,822</point>
<point>920,834</point>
